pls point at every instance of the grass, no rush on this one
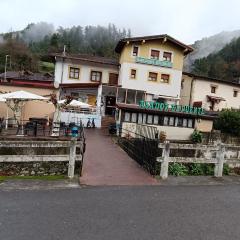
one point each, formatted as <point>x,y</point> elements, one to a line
<point>46,178</point>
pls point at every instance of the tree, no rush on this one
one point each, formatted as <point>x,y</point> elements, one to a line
<point>228,122</point>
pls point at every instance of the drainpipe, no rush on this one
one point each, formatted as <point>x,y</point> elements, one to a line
<point>191,89</point>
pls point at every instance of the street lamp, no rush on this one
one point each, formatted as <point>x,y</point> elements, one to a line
<point>5,72</point>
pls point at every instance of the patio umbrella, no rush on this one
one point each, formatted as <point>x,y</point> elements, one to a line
<point>22,96</point>
<point>76,103</point>
<point>16,100</point>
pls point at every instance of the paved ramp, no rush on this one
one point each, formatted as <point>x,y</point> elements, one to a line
<point>105,163</point>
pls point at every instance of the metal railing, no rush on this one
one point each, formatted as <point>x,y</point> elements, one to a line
<point>142,149</point>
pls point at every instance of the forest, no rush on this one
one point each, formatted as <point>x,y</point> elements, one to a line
<point>224,64</point>
<point>30,47</point>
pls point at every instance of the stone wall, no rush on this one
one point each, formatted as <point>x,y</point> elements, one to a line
<point>36,168</point>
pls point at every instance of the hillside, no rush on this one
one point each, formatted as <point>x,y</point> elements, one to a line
<point>209,45</point>
<point>28,46</point>
<point>224,64</point>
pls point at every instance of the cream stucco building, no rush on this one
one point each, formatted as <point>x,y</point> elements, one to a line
<point>210,93</point>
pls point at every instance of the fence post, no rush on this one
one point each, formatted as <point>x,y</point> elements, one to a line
<point>72,158</point>
<point>218,170</point>
<point>164,164</point>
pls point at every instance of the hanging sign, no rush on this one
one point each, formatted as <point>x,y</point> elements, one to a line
<point>171,107</point>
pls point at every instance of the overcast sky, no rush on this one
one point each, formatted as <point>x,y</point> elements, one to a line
<point>186,20</point>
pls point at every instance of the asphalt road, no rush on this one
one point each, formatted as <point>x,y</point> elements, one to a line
<point>102,213</point>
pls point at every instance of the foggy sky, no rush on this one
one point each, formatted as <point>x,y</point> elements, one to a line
<point>186,20</point>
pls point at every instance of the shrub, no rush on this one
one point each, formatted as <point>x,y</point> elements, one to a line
<point>196,169</point>
<point>196,137</point>
<point>228,122</point>
<point>178,169</point>
<point>226,169</point>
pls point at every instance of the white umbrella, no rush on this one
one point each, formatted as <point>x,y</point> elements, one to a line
<point>21,95</point>
<point>75,103</point>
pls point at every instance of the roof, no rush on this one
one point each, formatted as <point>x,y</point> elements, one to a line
<point>216,98</point>
<point>79,85</point>
<point>123,41</point>
<point>237,84</point>
<point>136,108</point>
<point>27,75</point>
<point>87,58</point>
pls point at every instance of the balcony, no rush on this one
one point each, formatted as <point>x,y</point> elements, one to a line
<point>154,62</point>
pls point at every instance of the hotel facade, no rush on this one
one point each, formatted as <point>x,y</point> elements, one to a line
<point>149,70</point>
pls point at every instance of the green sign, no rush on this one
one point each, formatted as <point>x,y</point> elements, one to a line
<point>171,107</point>
<point>155,62</point>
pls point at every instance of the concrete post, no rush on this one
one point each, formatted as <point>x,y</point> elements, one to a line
<point>99,99</point>
<point>218,170</point>
<point>164,165</point>
<point>72,158</point>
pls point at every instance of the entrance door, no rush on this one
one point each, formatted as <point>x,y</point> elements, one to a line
<point>110,105</point>
<point>113,79</point>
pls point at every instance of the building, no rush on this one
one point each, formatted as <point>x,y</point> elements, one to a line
<point>37,83</point>
<point>149,70</point>
<point>152,64</point>
<point>209,93</point>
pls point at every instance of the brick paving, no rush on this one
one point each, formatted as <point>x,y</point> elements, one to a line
<point>105,163</point>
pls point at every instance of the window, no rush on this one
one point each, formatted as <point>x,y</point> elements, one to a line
<point>165,121</point>
<point>152,76</point>
<point>155,119</point>
<point>184,122</point>
<point>144,118</point>
<point>74,72</point>
<point>135,51</point>
<point>134,117</point>
<point>133,74</point>
<point>213,89</point>
<point>235,93</point>
<point>149,119</point>
<point>171,121</point>
<point>155,54</point>
<point>140,118</point>
<point>190,123</point>
<point>127,117</point>
<point>75,94</point>
<point>96,76</point>
<point>165,78</point>
<point>167,56</point>
<point>180,122</point>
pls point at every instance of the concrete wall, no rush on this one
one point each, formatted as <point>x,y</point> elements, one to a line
<point>40,109</point>
<point>204,125</point>
<point>85,73</point>
<point>185,90</point>
<point>172,133</point>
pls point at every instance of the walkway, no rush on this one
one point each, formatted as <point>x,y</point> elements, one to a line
<point>105,163</point>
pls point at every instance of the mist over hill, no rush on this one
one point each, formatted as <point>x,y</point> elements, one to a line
<point>209,45</point>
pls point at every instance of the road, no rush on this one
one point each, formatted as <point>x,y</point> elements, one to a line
<point>138,212</point>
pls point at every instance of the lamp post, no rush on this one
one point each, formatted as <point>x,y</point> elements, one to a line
<point>5,70</point>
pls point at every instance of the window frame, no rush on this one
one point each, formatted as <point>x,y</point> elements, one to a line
<point>91,75</point>
<point>170,57</point>
<point>151,77</point>
<point>133,69</point>
<point>135,46</point>
<point>73,68</point>
<point>155,50</point>
<point>235,91</point>
<point>166,74</point>
<point>213,87</point>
